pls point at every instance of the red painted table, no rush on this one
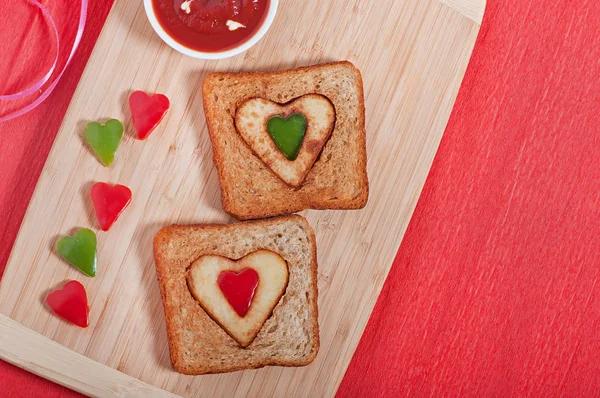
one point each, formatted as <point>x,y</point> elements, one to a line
<point>494,290</point>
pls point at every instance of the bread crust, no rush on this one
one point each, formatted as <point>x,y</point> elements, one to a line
<point>189,327</point>
<point>337,180</point>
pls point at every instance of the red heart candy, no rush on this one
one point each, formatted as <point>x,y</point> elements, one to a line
<point>109,202</point>
<point>147,111</point>
<point>70,303</point>
<point>239,288</point>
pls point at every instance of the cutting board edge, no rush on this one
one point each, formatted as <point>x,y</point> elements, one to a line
<point>339,380</point>
<point>46,358</point>
<point>474,9</point>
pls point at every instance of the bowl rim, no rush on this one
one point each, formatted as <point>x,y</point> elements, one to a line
<point>273,4</point>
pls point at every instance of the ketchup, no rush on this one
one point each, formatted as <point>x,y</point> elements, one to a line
<point>210,25</point>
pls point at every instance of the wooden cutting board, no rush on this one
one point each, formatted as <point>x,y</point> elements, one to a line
<point>413,55</point>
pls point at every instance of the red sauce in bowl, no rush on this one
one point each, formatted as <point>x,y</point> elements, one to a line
<point>205,27</point>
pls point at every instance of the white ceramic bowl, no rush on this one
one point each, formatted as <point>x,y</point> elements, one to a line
<point>212,55</point>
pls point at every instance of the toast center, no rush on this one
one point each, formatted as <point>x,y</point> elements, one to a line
<point>287,138</point>
<point>288,133</point>
<point>239,288</point>
<point>239,295</point>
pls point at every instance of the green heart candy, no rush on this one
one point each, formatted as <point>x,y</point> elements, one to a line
<point>288,134</point>
<point>80,250</point>
<point>104,139</point>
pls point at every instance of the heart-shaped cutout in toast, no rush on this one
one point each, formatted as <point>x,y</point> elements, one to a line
<point>287,138</point>
<point>222,286</point>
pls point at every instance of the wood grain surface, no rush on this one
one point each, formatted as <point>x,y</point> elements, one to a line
<point>412,54</point>
<point>24,347</point>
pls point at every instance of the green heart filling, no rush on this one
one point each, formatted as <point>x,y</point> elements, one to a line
<point>287,134</point>
<point>104,139</point>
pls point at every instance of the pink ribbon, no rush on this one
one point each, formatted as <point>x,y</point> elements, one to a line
<point>36,86</point>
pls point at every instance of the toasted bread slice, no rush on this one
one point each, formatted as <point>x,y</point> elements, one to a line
<point>203,277</point>
<point>198,344</point>
<point>337,179</point>
<point>251,122</point>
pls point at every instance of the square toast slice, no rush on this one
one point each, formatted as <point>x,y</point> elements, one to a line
<point>197,344</point>
<point>338,178</point>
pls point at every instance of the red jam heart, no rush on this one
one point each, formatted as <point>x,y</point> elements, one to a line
<point>147,111</point>
<point>239,288</point>
<point>70,303</point>
<point>109,202</point>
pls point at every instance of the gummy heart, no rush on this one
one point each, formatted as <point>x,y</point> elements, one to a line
<point>80,250</point>
<point>239,288</point>
<point>70,303</point>
<point>147,111</point>
<point>109,202</point>
<point>288,134</point>
<point>104,139</point>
